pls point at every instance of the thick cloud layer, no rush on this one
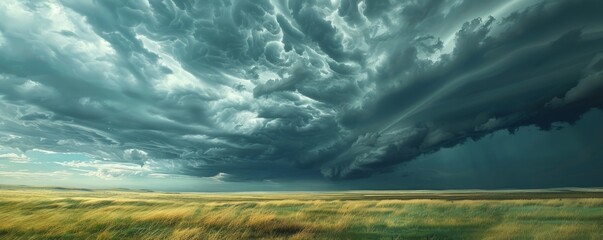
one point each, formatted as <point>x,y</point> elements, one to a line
<point>282,90</point>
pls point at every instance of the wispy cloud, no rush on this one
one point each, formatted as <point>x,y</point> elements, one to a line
<point>108,170</point>
<point>26,174</point>
<point>15,158</point>
<point>119,170</point>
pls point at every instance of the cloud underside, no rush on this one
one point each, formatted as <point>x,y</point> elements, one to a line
<point>257,90</point>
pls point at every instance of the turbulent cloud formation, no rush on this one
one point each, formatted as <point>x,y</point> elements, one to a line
<point>284,90</point>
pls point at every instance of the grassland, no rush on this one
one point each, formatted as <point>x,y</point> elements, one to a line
<point>45,213</point>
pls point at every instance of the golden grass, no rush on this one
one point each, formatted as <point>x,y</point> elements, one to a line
<point>43,214</point>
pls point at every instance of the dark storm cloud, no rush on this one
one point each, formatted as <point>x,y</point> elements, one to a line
<point>257,90</point>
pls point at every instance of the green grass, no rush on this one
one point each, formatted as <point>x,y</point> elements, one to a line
<point>47,213</point>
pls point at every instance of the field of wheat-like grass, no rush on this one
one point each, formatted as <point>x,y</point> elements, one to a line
<point>43,213</point>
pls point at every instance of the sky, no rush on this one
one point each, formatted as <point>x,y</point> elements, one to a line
<point>277,95</point>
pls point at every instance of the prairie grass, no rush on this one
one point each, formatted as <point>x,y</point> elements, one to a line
<point>75,214</point>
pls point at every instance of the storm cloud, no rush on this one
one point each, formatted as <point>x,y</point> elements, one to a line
<point>284,90</point>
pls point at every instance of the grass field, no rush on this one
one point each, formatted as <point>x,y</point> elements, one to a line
<point>58,213</point>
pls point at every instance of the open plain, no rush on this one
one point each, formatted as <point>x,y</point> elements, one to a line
<point>63,213</point>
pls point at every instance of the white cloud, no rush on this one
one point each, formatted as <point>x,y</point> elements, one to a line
<point>24,174</point>
<point>221,177</point>
<point>108,170</point>
<point>44,151</point>
<point>15,158</point>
